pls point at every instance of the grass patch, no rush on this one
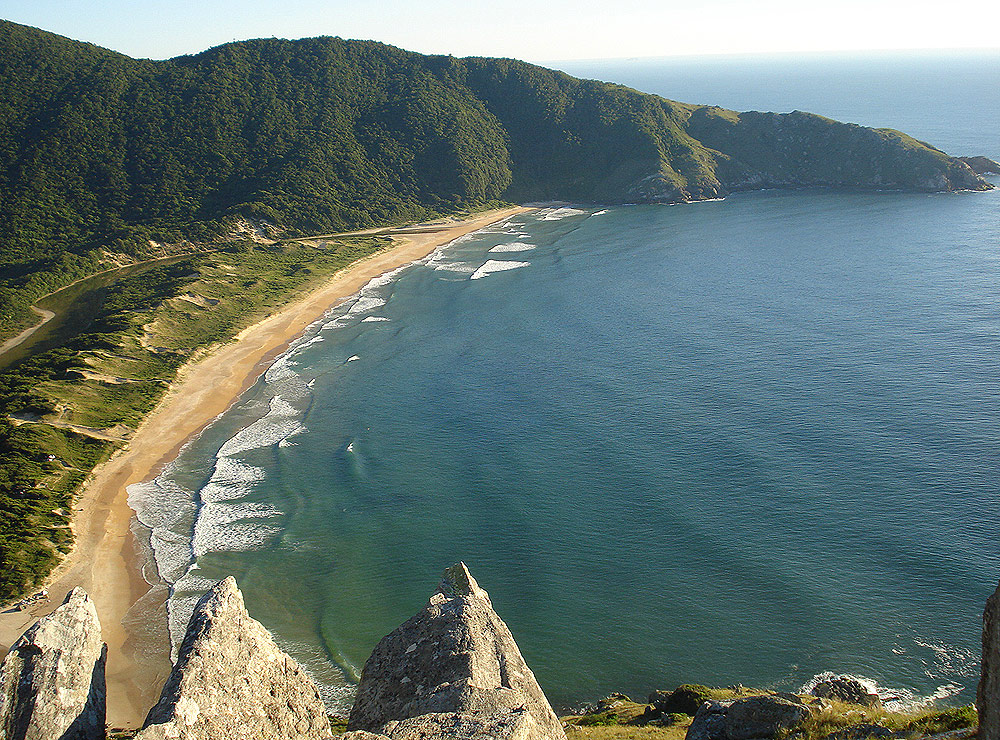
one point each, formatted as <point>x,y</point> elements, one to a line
<point>837,716</point>
<point>107,377</point>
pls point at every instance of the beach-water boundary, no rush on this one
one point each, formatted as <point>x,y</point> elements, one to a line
<point>106,559</point>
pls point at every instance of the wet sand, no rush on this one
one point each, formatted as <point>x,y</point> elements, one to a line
<point>106,560</point>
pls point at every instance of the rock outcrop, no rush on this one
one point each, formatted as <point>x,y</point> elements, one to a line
<point>981,165</point>
<point>232,681</point>
<point>52,680</point>
<point>452,670</point>
<point>846,688</point>
<point>746,719</point>
<point>988,693</point>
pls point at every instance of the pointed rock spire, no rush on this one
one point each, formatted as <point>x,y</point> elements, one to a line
<point>452,671</point>
<point>52,680</point>
<point>232,681</point>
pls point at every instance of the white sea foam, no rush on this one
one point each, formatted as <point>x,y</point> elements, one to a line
<point>167,510</point>
<point>224,528</point>
<point>894,699</point>
<point>513,247</point>
<point>353,358</point>
<point>232,479</point>
<point>492,266</point>
<point>600,213</point>
<point>368,319</point>
<point>373,295</point>
<point>949,660</point>
<point>558,214</point>
<point>439,259</point>
<point>280,422</point>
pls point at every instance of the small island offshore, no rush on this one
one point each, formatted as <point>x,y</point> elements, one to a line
<point>167,228</point>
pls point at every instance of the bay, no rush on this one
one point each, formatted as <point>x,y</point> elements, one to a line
<point>739,441</point>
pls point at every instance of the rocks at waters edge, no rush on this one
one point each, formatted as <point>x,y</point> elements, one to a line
<point>981,165</point>
<point>846,688</point>
<point>452,670</point>
<point>52,680</point>
<point>232,681</point>
<point>746,719</point>
<point>988,692</point>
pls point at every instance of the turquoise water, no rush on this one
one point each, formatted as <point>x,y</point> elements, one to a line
<point>743,441</point>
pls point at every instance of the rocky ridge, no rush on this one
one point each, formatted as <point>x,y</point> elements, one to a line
<point>232,681</point>
<point>453,670</point>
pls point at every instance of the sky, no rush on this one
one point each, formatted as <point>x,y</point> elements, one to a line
<point>525,29</point>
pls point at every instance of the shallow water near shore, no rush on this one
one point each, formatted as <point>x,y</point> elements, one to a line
<point>738,441</point>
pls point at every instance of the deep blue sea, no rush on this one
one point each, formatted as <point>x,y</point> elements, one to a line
<point>748,440</point>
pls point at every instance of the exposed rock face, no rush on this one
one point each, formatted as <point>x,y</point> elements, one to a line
<point>846,688</point>
<point>452,670</point>
<point>988,694</point>
<point>231,681</point>
<point>746,719</point>
<point>52,680</point>
<point>981,165</point>
<point>762,716</point>
<point>709,722</point>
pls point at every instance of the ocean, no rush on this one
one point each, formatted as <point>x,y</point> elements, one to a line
<point>740,441</point>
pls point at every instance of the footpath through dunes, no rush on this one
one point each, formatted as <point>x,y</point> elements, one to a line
<point>104,560</point>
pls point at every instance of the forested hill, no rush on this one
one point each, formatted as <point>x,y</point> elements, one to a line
<point>100,153</point>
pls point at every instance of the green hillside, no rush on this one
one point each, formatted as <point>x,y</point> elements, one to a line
<point>107,161</point>
<point>102,153</point>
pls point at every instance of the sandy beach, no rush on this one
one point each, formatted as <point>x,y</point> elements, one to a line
<point>105,560</point>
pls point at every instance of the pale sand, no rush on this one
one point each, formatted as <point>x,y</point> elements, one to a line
<point>104,560</point>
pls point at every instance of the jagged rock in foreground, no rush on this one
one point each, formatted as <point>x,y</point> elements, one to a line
<point>846,688</point>
<point>232,681</point>
<point>746,719</point>
<point>453,670</point>
<point>988,693</point>
<point>52,680</point>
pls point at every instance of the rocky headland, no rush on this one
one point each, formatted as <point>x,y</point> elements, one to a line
<point>453,670</point>
<point>981,165</point>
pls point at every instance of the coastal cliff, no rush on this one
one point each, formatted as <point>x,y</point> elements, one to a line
<point>453,670</point>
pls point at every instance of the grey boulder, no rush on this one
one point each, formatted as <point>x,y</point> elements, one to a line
<point>232,681</point>
<point>452,670</point>
<point>988,692</point>
<point>52,680</point>
<point>847,689</point>
<point>746,719</point>
<point>709,721</point>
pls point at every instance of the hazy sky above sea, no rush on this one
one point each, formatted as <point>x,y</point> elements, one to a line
<point>525,29</point>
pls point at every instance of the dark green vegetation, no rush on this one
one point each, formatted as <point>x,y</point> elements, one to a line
<point>100,153</point>
<point>66,409</point>
<point>108,161</point>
